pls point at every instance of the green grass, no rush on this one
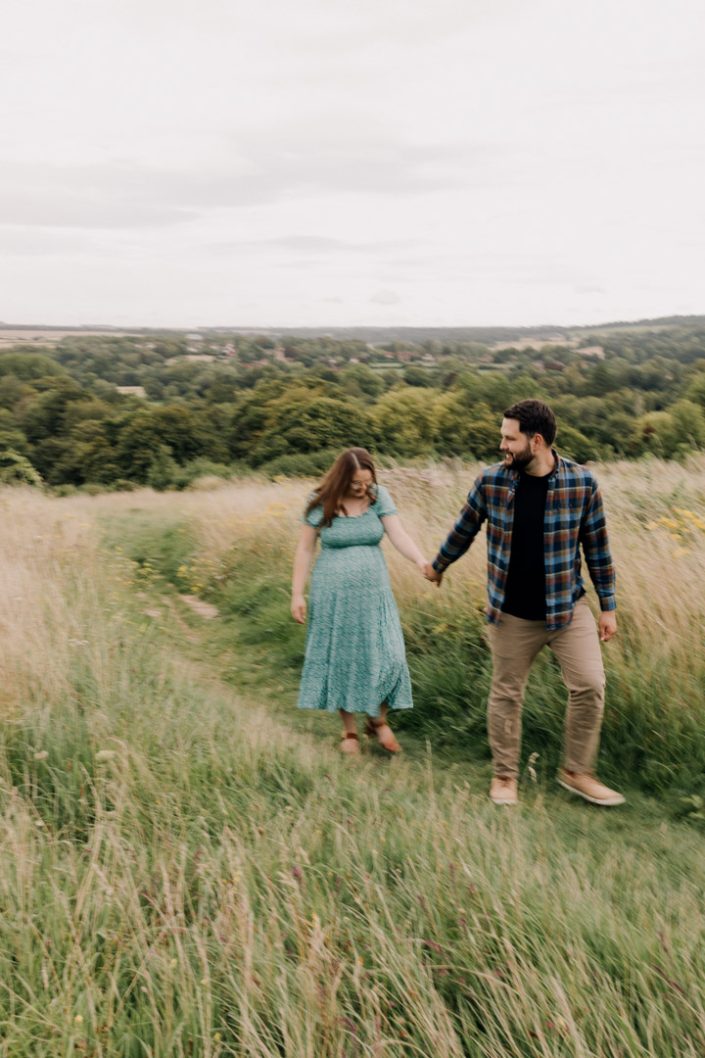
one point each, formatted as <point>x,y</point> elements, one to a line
<point>659,751</point>
<point>236,888</point>
<point>189,868</point>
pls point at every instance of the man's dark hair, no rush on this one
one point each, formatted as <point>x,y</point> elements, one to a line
<point>534,417</point>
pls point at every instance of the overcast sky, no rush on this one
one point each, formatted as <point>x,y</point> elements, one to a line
<point>461,162</point>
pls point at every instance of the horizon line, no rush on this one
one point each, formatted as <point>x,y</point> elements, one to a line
<point>327,328</point>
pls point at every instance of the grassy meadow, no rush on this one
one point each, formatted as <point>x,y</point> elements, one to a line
<point>235,546</point>
<point>189,868</point>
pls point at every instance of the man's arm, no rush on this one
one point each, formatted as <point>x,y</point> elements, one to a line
<point>596,545</point>
<point>464,531</point>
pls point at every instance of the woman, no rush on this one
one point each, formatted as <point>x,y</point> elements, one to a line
<point>355,660</point>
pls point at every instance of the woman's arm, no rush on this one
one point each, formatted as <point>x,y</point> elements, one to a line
<point>402,541</point>
<point>302,564</point>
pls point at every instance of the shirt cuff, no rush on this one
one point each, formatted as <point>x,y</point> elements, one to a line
<point>608,602</point>
<point>440,564</point>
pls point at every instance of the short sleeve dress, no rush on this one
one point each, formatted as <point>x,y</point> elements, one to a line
<point>355,657</point>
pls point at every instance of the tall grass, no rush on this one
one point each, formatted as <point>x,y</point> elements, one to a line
<point>183,874</point>
<point>654,733</point>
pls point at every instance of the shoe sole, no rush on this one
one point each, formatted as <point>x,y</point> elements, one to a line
<point>612,803</point>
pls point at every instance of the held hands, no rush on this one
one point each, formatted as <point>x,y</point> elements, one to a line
<point>430,573</point>
<point>298,609</point>
<point>607,625</point>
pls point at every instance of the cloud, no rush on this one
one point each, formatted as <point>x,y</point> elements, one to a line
<point>265,170</point>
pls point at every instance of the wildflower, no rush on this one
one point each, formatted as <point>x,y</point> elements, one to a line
<point>78,1019</point>
<point>41,755</point>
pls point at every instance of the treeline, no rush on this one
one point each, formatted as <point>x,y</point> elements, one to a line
<point>161,410</point>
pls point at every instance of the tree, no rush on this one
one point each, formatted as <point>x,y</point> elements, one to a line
<point>361,381</point>
<point>466,430</point>
<point>43,416</point>
<point>85,455</point>
<point>575,445</point>
<point>305,422</point>
<point>13,391</point>
<point>670,433</point>
<point>696,390</point>
<point>28,366</point>
<point>162,470</point>
<point>417,376</point>
<point>16,469</point>
<point>405,419</point>
<point>185,432</point>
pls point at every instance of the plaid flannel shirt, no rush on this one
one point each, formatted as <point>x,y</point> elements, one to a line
<point>574,516</point>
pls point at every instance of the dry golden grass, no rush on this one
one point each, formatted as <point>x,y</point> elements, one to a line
<point>182,875</point>
<point>656,518</point>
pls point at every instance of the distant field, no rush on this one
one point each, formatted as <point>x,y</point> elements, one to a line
<point>51,335</point>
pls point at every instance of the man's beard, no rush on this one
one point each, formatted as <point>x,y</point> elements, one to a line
<point>521,460</point>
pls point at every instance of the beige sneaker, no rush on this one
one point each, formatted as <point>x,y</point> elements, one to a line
<point>589,788</point>
<point>503,790</point>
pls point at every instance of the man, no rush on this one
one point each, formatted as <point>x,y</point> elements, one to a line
<point>540,508</point>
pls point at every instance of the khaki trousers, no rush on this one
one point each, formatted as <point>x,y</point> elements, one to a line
<point>514,644</point>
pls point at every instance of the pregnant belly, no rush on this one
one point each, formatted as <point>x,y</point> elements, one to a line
<point>350,569</point>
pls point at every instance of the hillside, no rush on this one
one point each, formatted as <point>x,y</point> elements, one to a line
<point>191,869</point>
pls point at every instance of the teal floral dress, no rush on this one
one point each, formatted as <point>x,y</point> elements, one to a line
<point>355,658</point>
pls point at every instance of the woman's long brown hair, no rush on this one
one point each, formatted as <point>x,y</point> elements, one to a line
<point>334,486</point>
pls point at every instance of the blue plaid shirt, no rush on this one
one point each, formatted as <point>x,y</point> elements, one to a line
<point>574,516</point>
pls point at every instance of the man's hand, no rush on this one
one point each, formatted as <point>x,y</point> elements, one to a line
<point>607,625</point>
<point>298,609</point>
<point>430,574</point>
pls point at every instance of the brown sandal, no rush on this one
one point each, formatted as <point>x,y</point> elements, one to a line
<point>375,728</point>
<point>351,746</point>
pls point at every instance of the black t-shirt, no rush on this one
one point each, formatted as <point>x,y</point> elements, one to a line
<point>526,581</point>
